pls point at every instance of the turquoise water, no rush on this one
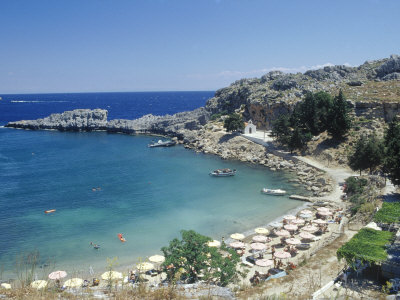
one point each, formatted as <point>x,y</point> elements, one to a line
<point>148,194</point>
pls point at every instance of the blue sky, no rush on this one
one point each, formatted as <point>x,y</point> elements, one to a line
<point>160,45</point>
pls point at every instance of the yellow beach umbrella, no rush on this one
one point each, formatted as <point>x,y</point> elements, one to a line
<point>157,259</point>
<point>111,275</point>
<point>73,282</point>
<point>237,236</point>
<point>6,286</point>
<point>39,284</point>
<point>261,230</point>
<point>213,243</point>
<point>144,266</point>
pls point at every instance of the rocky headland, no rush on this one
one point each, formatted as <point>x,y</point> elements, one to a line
<point>373,88</point>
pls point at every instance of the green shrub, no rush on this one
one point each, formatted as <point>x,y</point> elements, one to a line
<point>355,185</point>
<point>389,213</point>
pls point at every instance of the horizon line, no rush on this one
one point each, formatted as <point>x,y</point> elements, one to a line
<point>92,92</point>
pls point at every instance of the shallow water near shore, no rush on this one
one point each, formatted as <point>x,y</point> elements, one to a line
<point>148,194</point>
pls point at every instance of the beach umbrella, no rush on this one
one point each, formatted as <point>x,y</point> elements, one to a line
<point>236,245</point>
<point>291,227</point>
<point>111,275</point>
<point>214,243</point>
<point>237,236</point>
<point>282,232</point>
<point>6,286</point>
<point>319,221</point>
<point>289,217</point>
<point>276,224</point>
<point>144,266</point>
<point>260,239</point>
<point>298,222</point>
<point>257,246</point>
<point>306,235</point>
<point>39,284</point>
<point>73,282</point>
<point>282,254</point>
<point>293,241</point>
<point>310,228</point>
<point>325,213</point>
<point>264,262</point>
<point>322,209</point>
<point>261,230</point>
<point>306,212</point>
<point>306,216</point>
<point>57,275</point>
<point>157,259</point>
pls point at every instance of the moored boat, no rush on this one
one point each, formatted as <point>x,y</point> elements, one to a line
<point>223,172</point>
<point>161,143</point>
<point>276,192</point>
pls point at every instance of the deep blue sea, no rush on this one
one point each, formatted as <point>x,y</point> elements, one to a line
<point>147,194</point>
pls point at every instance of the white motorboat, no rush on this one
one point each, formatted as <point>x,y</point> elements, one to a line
<point>223,172</point>
<point>161,143</point>
<point>277,192</point>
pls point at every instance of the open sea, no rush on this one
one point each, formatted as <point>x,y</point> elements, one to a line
<point>147,194</point>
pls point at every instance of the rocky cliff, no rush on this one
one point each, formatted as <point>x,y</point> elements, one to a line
<point>263,99</point>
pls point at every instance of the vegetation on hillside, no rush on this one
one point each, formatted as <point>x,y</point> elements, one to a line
<point>389,213</point>
<point>318,112</point>
<point>367,246</point>
<point>234,122</point>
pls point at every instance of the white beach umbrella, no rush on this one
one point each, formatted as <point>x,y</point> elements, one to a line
<point>306,212</point>
<point>323,209</point>
<point>306,216</point>
<point>306,235</point>
<point>111,275</point>
<point>73,282</point>
<point>319,221</point>
<point>39,284</point>
<point>282,232</point>
<point>276,224</point>
<point>213,243</point>
<point>325,213</point>
<point>282,254</point>
<point>291,227</point>
<point>289,217</point>
<point>293,241</point>
<point>236,245</point>
<point>57,275</point>
<point>157,259</point>
<point>310,228</point>
<point>261,230</point>
<point>298,221</point>
<point>260,239</point>
<point>264,262</point>
<point>373,225</point>
<point>257,246</point>
<point>6,286</point>
<point>144,266</point>
<point>237,236</point>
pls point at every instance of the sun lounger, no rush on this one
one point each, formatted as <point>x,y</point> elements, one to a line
<point>278,275</point>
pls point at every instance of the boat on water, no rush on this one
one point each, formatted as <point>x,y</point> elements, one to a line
<point>223,172</point>
<point>161,143</point>
<point>276,192</point>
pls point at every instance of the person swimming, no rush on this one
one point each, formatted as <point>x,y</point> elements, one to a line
<point>95,246</point>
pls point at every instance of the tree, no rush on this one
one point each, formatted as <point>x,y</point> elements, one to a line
<point>298,139</point>
<point>368,154</point>
<point>281,129</point>
<point>339,118</point>
<point>234,122</point>
<point>191,256</point>
<point>392,151</point>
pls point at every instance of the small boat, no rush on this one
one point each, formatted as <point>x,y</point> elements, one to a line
<point>223,172</point>
<point>161,143</point>
<point>121,238</point>
<point>49,211</point>
<point>277,192</point>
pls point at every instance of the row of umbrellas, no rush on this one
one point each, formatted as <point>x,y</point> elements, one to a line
<point>109,275</point>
